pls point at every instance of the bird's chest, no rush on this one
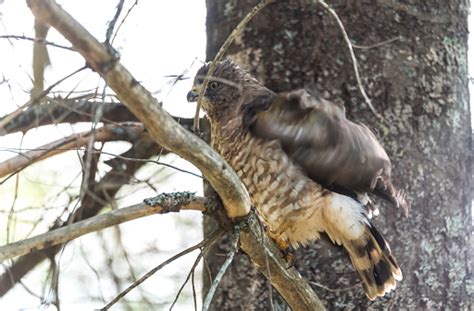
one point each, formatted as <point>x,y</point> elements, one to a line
<point>278,188</point>
<point>285,198</point>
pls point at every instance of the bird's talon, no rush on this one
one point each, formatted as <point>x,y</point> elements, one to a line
<point>288,256</point>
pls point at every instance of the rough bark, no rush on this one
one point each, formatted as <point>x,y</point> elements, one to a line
<point>419,84</point>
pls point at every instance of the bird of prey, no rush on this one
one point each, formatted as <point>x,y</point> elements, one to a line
<point>307,168</point>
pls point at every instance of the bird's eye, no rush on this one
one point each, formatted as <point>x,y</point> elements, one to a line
<point>213,85</point>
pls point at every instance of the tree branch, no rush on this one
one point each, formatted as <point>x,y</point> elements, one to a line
<point>162,128</point>
<point>62,235</point>
<point>34,100</point>
<point>73,110</point>
<point>106,133</point>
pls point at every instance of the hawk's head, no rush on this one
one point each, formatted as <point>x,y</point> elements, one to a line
<point>225,89</point>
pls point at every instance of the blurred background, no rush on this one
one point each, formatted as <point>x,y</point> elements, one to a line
<point>159,42</point>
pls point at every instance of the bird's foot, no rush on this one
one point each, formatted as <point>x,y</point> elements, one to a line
<point>285,248</point>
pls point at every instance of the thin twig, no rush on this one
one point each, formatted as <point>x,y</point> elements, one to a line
<point>334,290</point>
<point>98,276</point>
<point>12,213</point>
<point>191,272</point>
<point>17,37</point>
<point>220,54</point>
<point>112,23</point>
<point>123,20</point>
<point>193,284</point>
<point>222,271</point>
<point>353,57</point>
<point>159,163</point>
<point>35,100</point>
<point>210,240</point>
<point>90,159</point>
<point>203,252</point>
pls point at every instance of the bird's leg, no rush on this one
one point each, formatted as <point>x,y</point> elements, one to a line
<point>282,244</point>
<point>365,200</point>
<point>284,247</point>
<point>372,210</point>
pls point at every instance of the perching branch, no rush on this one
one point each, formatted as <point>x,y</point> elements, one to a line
<point>162,128</point>
<point>181,201</point>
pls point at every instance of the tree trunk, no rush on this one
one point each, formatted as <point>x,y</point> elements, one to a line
<point>418,82</point>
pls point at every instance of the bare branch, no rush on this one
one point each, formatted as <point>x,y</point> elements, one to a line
<point>73,110</point>
<point>193,285</point>
<point>106,133</point>
<point>73,231</point>
<point>160,125</point>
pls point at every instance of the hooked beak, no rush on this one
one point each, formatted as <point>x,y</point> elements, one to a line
<point>192,95</point>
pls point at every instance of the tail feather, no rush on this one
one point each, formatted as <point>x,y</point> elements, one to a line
<point>374,262</point>
<point>346,223</point>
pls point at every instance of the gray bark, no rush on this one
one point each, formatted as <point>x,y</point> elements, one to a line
<point>419,84</point>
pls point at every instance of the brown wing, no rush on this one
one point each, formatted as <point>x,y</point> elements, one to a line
<point>330,148</point>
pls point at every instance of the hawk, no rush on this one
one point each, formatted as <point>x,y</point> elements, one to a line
<point>307,168</point>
